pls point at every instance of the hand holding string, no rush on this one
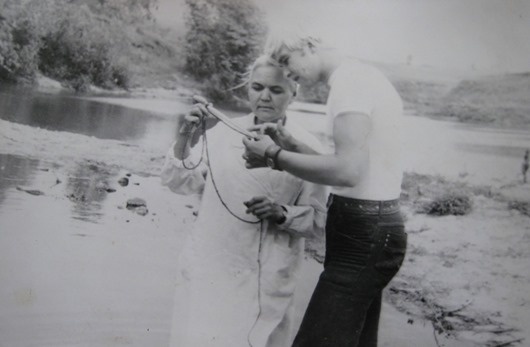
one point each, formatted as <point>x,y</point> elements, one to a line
<point>281,136</point>
<point>265,208</point>
<point>255,150</point>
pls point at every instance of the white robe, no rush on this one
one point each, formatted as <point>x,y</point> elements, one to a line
<point>237,280</point>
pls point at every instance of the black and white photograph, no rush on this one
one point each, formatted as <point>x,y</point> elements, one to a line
<point>252,173</point>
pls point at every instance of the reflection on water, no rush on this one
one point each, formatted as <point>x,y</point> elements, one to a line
<point>72,114</point>
<point>15,171</point>
<point>85,189</point>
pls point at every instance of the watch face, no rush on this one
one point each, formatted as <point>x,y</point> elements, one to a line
<point>270,163</point>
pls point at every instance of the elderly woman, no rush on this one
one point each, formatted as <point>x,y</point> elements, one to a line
<point>238,267</point>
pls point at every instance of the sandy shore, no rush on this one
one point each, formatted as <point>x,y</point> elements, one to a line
<point>89,272</point>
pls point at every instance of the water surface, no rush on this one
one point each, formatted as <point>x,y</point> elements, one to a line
<point>66,112</point>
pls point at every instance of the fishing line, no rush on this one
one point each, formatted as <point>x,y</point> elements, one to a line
<point>204,150</point>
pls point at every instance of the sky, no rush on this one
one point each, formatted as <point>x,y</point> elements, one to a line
<point>463,35</point>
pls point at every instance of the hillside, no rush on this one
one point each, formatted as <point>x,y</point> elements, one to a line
<point>496,100</point>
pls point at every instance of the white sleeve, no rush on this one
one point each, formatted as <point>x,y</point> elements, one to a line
<point>307,216</point>
<point>352,92</point>
<point>186,176</point>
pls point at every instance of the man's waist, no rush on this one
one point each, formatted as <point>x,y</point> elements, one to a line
<point>364,206</point>
<point>377,194</point>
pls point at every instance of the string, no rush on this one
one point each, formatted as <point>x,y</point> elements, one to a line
<point>217,190</point>
<point>203,151</point>
<point>188,139</point>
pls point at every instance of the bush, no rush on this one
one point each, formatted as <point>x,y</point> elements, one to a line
<point>18,50</point>
<point>223,38</point>
<point>455,204</point>
<point>80,54</point>
<point>434,195</point>
<point>521,206</point>
<point>78,42</point>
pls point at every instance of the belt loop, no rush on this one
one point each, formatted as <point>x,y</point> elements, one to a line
<point>380,208</point>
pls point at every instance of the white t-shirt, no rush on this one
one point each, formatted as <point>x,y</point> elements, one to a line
<point>360,88</point>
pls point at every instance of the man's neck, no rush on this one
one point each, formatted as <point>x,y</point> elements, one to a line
<point>331,60</point>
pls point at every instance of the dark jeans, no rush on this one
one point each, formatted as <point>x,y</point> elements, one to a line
<point>365,247</point>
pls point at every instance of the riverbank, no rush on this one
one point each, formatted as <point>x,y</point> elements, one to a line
<point>464,276</point>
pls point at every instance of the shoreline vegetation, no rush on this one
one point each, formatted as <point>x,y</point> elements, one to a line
<point>453,278</point>
<point>102,47</point>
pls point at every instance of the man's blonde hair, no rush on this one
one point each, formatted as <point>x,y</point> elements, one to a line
<point>292,38</point>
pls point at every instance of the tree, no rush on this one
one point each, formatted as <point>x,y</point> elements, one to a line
<point>223,38</point>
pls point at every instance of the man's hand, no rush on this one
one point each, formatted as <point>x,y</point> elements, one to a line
<point>264,208</point>
<point>255,151</point>
<point>281,136</point>
<point>253,161</point>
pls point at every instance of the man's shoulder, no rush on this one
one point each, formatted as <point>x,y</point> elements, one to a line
<point>354,72</point>
<point>359,76</point>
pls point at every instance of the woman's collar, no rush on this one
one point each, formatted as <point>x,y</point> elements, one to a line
<point>256,120</point>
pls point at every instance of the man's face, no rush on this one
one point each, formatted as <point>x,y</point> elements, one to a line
<point>303,65</point>
<point>269,93</point>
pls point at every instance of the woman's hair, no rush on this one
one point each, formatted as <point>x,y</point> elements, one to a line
<point>265,60</point>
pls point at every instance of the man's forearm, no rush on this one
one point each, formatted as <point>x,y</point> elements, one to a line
<point>302,148</point>
<point>322,169</point>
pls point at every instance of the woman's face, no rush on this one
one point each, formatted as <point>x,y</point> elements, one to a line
<point>303,65</point>
<point>269,93</point>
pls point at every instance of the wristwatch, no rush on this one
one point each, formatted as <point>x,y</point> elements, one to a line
<point>271,156</point>
<point>283,218</point>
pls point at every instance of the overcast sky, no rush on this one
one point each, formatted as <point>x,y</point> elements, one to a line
<point>483,35</point>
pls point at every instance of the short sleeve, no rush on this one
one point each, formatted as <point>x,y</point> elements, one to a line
<point>352,90</point>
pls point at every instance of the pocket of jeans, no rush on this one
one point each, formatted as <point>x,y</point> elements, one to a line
<point>350,230</point>
<point>392,254</point>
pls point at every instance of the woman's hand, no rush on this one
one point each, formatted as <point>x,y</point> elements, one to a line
<point>264,208</point>
<point>188,123</point>
<point>192,119</point>
<point>196,115</point>
<point>281,136</point>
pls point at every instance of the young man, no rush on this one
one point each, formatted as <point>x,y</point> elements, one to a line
<point>365,237</point>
